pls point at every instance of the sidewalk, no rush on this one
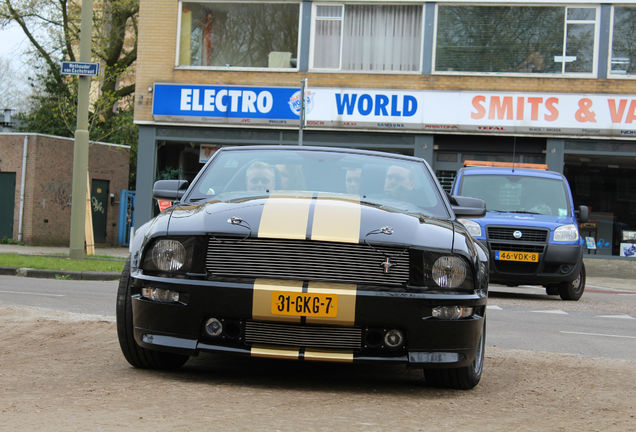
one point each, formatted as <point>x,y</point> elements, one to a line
<point>61,251</point>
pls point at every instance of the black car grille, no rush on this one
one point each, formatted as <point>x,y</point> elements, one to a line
<point>302,336</point>
<point>306,260</point>
<point>517,247</point>
<point>527,234</point>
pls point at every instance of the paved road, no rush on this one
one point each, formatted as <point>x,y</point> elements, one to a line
<point>601,324</point>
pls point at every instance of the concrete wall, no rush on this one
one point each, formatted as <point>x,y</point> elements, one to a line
<point>49,180</point>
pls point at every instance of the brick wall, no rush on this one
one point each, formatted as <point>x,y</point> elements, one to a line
<point>157,51</point>
<point>49,184</point>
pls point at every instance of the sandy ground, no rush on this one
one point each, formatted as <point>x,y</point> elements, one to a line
<point>64,372</point>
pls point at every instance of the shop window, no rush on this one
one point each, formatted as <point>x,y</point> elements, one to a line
<point>623,55</point>
<point>253,35</point>
<point>516,39</point>
<point>367,37</point>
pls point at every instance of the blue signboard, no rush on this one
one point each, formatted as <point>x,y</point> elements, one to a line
<point>226,103</point>
<point>80,68</point>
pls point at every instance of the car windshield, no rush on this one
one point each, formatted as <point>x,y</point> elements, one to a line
<point>388,182</point>
<point>517,193</point>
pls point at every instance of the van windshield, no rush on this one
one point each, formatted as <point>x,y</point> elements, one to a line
<point>518,194</point>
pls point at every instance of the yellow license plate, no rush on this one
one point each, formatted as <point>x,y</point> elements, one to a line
<point>517,256</point>
<point>304,304</point>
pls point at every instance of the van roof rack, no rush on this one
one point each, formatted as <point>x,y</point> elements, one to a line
<point>505,164</point>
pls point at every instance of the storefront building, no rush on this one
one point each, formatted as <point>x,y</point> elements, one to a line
<point>449,81</point>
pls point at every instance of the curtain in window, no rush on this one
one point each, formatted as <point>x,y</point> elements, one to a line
<point>382,38</point>
<point>185,44</point>
<point>327,45</point>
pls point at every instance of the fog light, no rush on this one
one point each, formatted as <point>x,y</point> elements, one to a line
<point>452,312</point>
<point>159,294</point>
<point>394,338</point>
<point>213,327</point>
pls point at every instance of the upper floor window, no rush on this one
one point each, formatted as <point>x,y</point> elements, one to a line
<point>516,39</point>
<point>623,55</point>
<point>257,35</point>
<point>367,38</point>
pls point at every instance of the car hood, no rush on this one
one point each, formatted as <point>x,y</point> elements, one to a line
<point>317,218</point>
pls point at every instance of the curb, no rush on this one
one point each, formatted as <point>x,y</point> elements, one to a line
<point>59,274</point>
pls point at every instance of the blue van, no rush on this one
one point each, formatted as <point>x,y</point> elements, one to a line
<point>530,227</point>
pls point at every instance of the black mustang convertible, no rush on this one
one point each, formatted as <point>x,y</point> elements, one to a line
<point>311,254</point>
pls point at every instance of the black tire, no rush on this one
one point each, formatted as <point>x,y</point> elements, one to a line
<point>463,378</point>
<point>135,355</point>
<point>573,290</point>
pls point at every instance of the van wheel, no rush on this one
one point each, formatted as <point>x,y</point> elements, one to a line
<point>573,290</point>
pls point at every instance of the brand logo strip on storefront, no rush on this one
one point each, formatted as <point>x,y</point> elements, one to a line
<point>461,111</point>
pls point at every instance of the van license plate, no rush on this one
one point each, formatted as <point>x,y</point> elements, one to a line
<point>517,256</point>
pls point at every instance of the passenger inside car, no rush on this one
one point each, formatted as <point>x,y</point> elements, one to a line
<point>260,177</point>
<point>398,182</point>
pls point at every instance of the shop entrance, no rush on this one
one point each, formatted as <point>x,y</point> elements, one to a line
<point>607,184</point>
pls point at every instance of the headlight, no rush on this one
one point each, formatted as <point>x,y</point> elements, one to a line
<point>168,255</point>
<point>474,229</point>
<point>449,271</point>
<point>566,233</point>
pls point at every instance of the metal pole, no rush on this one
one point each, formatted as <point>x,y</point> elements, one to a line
<point>80,150</point>
<point>303,83</point>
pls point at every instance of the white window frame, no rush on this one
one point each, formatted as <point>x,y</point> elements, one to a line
<point>178,66</point>
<point>610,47</point>
<point>344,12</point>
<point>563,74</point>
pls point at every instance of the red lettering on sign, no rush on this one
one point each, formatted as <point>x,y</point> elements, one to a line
<point>507,108</point>
<point>550,104</point>
<point>481,111</point>
<point>500,109</point>
<point>616,113</point>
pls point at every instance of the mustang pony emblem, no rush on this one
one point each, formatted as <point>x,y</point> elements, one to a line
<point>387,264</point>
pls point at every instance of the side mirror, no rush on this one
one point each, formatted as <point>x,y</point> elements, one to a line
<point>583,213</point>
<point>467,206</point>
<point>171,190</point>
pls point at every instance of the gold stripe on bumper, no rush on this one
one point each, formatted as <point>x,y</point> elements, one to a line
<point>329,356</point>
<point>262,298</point>
<point>346,302</point>
<point>278,353</point>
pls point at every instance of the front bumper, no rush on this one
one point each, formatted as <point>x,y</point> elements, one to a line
<point>558,263</point>
<point>180,327</point>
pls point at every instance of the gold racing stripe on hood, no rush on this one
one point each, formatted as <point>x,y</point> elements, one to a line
<point>329,356</point>
<point>285,218</point>
<point>346,302</point>
<point>275,352</point>
<point>262,298</point>
<point>336,220</point>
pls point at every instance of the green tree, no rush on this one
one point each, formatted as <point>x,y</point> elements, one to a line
<point>52,27</point>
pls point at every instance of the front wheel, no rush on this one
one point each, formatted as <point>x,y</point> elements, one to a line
<point>573,290</point>
<point>463,378</point>
<point>135,355</point>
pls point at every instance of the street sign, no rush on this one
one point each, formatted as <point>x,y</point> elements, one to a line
<point>80,68</point>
